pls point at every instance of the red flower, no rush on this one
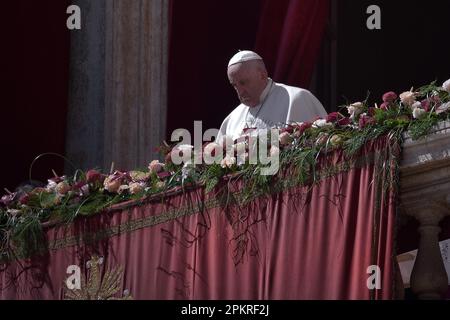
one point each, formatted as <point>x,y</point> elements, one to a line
<point>364,121</point>
<point>425,105</point>
<point>302,128</point>
<point>289,129</point>
<point>79,185</point>
<point>163,174</point>
<point>168,159</point>
<point>344,121</point>
<point>389,96</point>
<point>24,199</point>
<point>333,117</point>
<point>93,176</point>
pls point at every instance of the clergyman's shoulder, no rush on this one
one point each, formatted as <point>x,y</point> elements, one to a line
<point>293,90</point>
<point>238,110</point>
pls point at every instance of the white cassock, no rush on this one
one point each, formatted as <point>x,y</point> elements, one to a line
<point>280,105</point>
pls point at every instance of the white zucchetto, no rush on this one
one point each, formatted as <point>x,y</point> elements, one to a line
<point>242,56</point>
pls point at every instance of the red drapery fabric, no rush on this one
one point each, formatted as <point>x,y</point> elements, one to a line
<point>289,37</point>
<point>308,242</point>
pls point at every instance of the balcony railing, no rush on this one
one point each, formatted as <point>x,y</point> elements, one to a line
<point>425,195</point>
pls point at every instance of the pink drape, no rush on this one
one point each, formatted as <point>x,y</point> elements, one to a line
<point>289,37</point>
<point>308,242</point>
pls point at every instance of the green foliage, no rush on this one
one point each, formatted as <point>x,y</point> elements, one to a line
<point>418,129</point>
<point>211,176</point>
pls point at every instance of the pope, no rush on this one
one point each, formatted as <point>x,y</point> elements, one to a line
<point>264,103</point>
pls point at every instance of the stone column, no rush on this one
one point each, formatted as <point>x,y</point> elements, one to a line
<point>429,277</point>
<point>85,119</point>
<point>118,83</point>
<point>424,185</point>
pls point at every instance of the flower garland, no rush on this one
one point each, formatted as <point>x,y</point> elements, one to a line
<point>23,212</point>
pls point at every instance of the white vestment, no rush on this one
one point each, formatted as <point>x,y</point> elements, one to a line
<point>280,105</point>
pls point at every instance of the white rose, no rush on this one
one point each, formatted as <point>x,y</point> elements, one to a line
<point>336,140</point>
<point>62,187</point>
<point>355,109</point>
<point>160,184</point>
<point>416,104</point>
<point>137,187</point>
<point>321,123</point>
<point>51,186</point>
<point>442,108</point>
<point>155,166</point>
<point>446,85</point>
<point>419,113</point>
<point>274,151</point>
<point>13,212</point>
<point>111,184</point>
<point>408,98</point>
<point>228,162</point>
<point>322,138</point>
<point>123,188</point>
<point>85,190</point>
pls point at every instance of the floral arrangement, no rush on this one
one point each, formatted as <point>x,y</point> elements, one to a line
<point>24,213</point>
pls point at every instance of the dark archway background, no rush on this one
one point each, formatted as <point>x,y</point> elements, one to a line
<point>34,88</point>
<point>204,34</point>
<point>411,49</point>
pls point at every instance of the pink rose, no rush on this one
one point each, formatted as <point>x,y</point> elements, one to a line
<point>285,138</point>
<point>389,96</point>
<point>155,166</point>
<point>274,151</point>
<point>385,106</point>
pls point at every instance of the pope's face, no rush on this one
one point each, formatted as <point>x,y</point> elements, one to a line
<point>249,82</point>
